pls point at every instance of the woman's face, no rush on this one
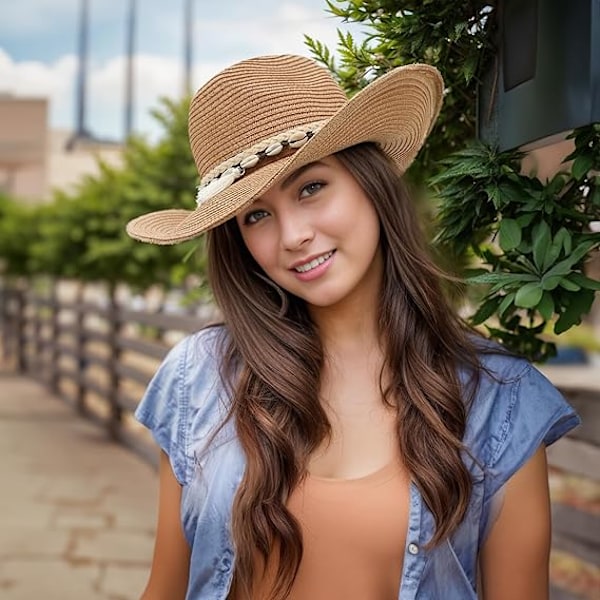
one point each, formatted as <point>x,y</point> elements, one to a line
<point>316,234</point>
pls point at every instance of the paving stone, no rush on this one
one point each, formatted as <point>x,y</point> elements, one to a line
<point>77,518</point>
<point>118,546</point>
<point>127,583</point>
<point>21,542</point>
<point>49,580</point>
<point>77,511</point>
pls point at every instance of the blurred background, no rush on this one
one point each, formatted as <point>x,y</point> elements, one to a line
<point>93,132</point>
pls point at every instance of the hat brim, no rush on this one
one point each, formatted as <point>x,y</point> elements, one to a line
<point>396,111</point>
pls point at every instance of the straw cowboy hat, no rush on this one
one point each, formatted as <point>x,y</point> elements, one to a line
<point>261,119</point>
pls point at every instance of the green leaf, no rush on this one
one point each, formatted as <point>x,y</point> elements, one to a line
<point>550,282</point>
<point>546,306</point>
<point>507,301</point>
<point>470,66</point>
<point>525,220</point>
<point>510,234</point>
<point>563,237</point>
<point>564,266</point>
<point>585,282</point>
<point>569,285</point>
<point>529,295</point>
<point>499,278</point>
<point>579,304</point>
<point>554,249</point>
<point>541,237</point>
<point>485,311</point>
<point>581,166</point>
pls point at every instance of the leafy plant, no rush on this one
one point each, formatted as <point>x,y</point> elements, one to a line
<point>535,238</point>
<point>529,239</point>
<point>81,233</point>
<point>454,37</point>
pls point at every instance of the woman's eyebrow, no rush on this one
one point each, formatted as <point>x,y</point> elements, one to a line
<point>298,172</point>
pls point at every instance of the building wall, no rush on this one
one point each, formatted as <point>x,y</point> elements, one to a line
<point>34,159</point>
<point>67,167</point>
<point>23,146</point>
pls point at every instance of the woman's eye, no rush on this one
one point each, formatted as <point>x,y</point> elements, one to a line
<point>311,188</point>
<point>254,217</point>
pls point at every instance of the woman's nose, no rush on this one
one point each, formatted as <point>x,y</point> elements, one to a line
<point>295,231</point>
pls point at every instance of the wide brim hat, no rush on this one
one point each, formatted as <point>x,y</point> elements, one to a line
<point>259,120</point>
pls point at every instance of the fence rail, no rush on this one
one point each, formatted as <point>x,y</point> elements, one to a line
<point>95,357</point>
<point>88,353</point>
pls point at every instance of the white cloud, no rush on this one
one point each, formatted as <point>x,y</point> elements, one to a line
<point>219,41</point>
<point>279,32</point>
<point>53,81</point>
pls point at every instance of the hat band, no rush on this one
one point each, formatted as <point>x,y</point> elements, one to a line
<point>229,171</point>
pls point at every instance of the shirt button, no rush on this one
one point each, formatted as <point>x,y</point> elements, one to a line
<point>413,549</point>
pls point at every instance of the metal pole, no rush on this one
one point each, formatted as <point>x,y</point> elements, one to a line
<point>188,26</point>
<point>80,130</point>
<point>129,72</point>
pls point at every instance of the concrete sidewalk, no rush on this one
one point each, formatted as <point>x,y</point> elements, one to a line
<point>77,512</point>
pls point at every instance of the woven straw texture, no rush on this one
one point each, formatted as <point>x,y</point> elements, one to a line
<point>253,101</point>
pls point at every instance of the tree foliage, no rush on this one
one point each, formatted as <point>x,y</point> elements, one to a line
<point>81,234</point>
<point>533,238</point>
<point>530,239</point>
<point>454,37</point>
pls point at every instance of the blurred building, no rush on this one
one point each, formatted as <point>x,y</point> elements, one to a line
<point>23,146</point>
<point>34,159</point>
<point>67,167</point>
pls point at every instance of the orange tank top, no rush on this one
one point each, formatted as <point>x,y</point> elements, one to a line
<point>354,533</point>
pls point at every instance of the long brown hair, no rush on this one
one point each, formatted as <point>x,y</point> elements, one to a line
<point>276,354</point>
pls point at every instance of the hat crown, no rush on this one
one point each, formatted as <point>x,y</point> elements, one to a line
<point>256,99</point>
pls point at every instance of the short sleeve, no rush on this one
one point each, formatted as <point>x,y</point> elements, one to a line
<point>536,413</point>
<point>163,408</point>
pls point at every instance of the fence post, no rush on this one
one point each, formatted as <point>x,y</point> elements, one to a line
<point>5,293</point>
<point>20,329</point>
<point>37,307</point>
<point>114,329</point>
<point>54,338</point>
<point>80,340</point>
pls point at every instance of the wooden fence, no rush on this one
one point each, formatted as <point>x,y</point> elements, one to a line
<point>95,357</point>
<point>98,359</point>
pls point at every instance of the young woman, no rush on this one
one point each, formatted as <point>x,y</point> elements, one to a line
<point>342,435</point>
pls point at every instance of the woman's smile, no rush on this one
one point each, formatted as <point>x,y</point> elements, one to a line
<point>314,268</point>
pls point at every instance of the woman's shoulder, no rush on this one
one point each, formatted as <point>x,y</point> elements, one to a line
<point>188,379</point>
<point>513,411</point>
<point>182,401</point>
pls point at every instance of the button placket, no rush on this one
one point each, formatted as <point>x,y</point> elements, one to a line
<point>413,559</point>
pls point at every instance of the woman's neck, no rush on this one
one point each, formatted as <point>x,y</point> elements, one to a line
<point>350,328</point>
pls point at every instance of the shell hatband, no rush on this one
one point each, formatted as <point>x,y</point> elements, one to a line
<point>227,172</point>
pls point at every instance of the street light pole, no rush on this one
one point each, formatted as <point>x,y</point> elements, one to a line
<point>188,53</point>
<point>130,43</point>
<point>81,132</point>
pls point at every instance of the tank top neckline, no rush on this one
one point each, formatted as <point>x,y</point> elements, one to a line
<point>383,473</point>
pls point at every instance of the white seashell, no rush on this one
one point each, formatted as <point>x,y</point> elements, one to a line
<point>299,143</point>
<point>215,187</point>
<point>274,149</point>
<point>296,136</point>
<point>231,171</point>
<point>249,161</point>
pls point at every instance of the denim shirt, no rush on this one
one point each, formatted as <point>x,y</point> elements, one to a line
<point>511,414</point>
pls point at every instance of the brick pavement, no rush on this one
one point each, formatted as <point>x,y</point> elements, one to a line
<point>77,512</point>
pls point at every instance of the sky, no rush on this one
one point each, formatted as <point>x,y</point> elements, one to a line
<point>39,44</point>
